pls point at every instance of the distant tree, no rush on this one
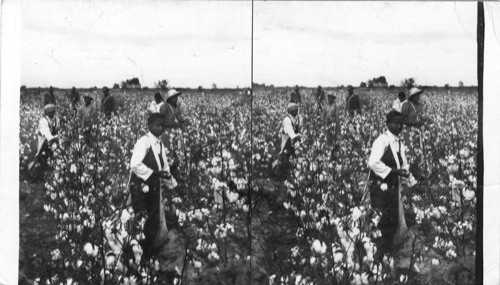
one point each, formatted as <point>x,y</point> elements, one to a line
<point>133,81</point>
<point>370,83</point>
<point>200,88</point>
<point>342,86</point>
<point>123,85</point>
<point>214,86</point>
<point>162,84</point>
<point>392,86</point>
<point>380,79</point>
<point>447,86</point>
<point>460,84</point>
<point>116,86</point>
<point>362,85</point>
<point>145,88</point>
<point>408,82</point>
<point>23,88</point>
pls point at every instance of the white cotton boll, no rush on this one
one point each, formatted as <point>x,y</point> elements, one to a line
<point>72,168</point>
<point>312,260</point>
<point>357,279</point>
<point>435,261</point>
<point>383,186</point>
<point>451,253</point>
<point>197,264</point>
<point>137,250</point>
<point>125,216</point>
<point>364,278</point>
<point>337,257</point>
<point>302,214</point>
<point>88,248</point>
<point>145,189</point>
<point>316,246</point>
<point>403,278</point>
<point>356,213</point>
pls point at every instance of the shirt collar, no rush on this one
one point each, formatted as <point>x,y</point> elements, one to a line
<point>153,138</point>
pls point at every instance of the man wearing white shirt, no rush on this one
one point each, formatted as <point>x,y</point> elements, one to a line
<point>397,104</point>
<point>154,106</point>
<point>290,133</point>
<point>150,170</point>
<point>48,128</point>
<point>388,169</point>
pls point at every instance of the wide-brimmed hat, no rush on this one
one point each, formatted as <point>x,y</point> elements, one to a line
<point>349,87</point>
<point>49,108</point>
<point>292,107</point>
<point>172,93</point>
<point>415,91</point>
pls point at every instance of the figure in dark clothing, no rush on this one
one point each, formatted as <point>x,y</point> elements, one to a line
<point>49,97</point>
<point>295,96</point>
<point>108,103</point>
<point>353,102</point>
<point>388,170</point>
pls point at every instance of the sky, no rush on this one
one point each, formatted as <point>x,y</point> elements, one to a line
<point>95,43</point>
<point>340,43</point>
<point>98,43</point>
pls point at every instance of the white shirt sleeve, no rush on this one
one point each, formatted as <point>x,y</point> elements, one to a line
<point>288,128</point>
<point>374,162</point>
<point>139,168</point>
<point>45,130</point>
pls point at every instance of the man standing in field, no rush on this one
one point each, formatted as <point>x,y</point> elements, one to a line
<point>87,116</point>
<point>353,102</point>
<point>74,97</point>
<point>388,170</point>
<point>48,128</point>
<point>397,105</point>
<point>295,96</point>
<point>108,103</point>
<point>414,120</point>
<point>49,97</point>
<point>331,121</point>
<point>150,171</point>
<point>290,133</point>
<point>320,98</point>
<point>174,121</point>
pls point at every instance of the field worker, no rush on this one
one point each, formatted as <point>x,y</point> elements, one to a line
<point>175,122</point>
<point>320,98</point>
<point>411,109</point>
<point>388,169</point>
<point>353,102</point>
<point>87,115</point>
<point>295,96</point>
<point>331,120</point>
<point>155,105</point>
<point>49,97</point>
<point>397,105</point>
<point>292,125</point>
<point>74,97</point>
<point>150,171</point>
<point>414,120</point>
<point>108,103</point>
<point>48,128</point>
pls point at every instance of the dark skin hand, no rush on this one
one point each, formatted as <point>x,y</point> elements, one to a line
<point>400,172</point>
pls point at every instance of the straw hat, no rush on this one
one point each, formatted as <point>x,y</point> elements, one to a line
<point>172,93</point>
<point>292,107</point>
<point>414,91</point>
